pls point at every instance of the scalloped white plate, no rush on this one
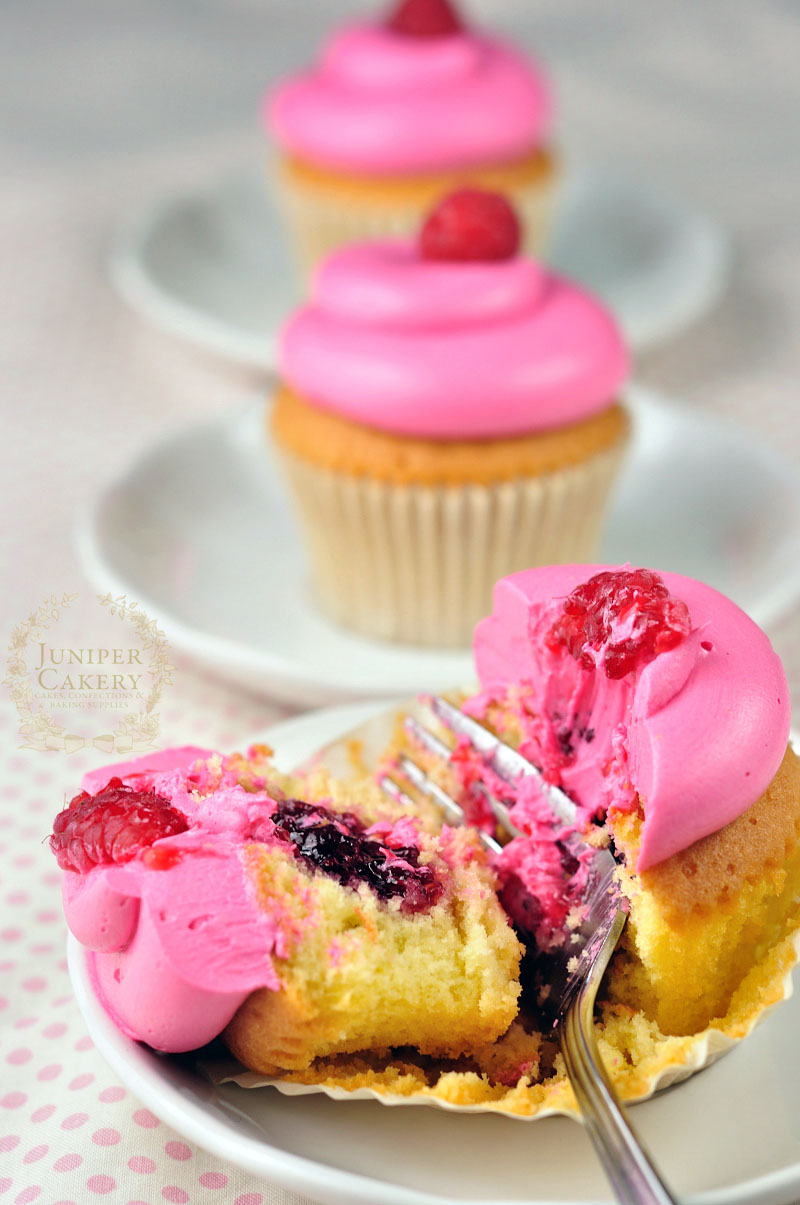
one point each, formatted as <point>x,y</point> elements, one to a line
<point>728,1136</point>
<point>198,530</point>
<point>214,267</point>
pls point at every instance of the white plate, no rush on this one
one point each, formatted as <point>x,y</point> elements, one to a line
<point>198,532</point>
<point>214,266</point>
<point>729,1136</point>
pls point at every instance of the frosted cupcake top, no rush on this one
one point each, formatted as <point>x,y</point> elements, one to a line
<point>639,688</point>
<point>390,99</point>
<point>451,348</point>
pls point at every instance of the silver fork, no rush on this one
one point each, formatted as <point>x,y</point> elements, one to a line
<point>573,972</point>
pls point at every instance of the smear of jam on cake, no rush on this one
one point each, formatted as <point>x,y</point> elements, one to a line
<point>337,844</point>
<point>628,612</point>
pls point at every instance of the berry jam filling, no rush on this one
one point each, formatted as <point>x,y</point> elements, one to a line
<point>629,611</point>
<point>424,19</point>
<point>471,224</point>
<point>336,844</point>
<point>112,826</point>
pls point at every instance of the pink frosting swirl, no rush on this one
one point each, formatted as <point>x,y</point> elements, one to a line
<point>444,350</point>
<point>699,732</point>
<point>383,102</point>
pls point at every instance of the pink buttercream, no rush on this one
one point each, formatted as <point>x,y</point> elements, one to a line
<point>697,734</point>
<point>176,951</point>
<point>443,350</point>
<point>384,103</point>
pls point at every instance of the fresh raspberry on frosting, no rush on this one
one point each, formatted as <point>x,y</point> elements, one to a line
<point>620,620</point>
<point>471,224</point>
<point>112,826</point>
<point>424,18</point>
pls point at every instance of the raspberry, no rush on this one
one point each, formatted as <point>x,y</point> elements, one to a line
<point>112,826</point>
<point>424,18</point>
<point>635,602</point>
<point>471,224</point>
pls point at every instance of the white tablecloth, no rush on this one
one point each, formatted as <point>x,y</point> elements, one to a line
<point>107,106</point>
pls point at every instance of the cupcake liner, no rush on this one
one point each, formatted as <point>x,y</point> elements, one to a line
<point>416,564</point>
<point>321,221</point>
<point>673,1060</point>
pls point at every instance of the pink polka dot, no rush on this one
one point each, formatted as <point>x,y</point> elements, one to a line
<point>43,1113</point>
<point>3,1002</point>
<point>101,1184</point>
<point>36,1153</point>
<point>146,1119</point>
<point>13,1100</point>
<point>22,861</point>
<point>51,1071</point>
<point>47,918</point>
<point>65,1203</point>
<point>141,1164</point>
<point>138,1203</point>
<point>25,1022</point>
<point>249,1198</point>
<point>10,934</point>
<point>27,1194</point>
<point>9,1142</point>
<point>62,1000</point>
<point>5,1183</point>
<point>106,1137</point>
<point>81,1081</point>
<point>84,1043</point>
<point>17,897</point>
<point>53,878</point>
<point>68,1163</point>
<point>43,947</point>
<point>111,1095</point>
<point>20,1056</point>
<point>74,1121</point>
<point>34,984</point>
<point>178,1150</point>
<point>213,1180</point>
<point>175,1194</point>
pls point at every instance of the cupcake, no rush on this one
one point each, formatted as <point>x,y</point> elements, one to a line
<point>214,901</point>
<point>449,413</point>
<point>399,111</point>
<point>662,710</point>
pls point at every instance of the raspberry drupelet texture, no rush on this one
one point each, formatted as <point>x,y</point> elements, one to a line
<point>112,826</point>
<point>630,614</point>
<point>471,224</point>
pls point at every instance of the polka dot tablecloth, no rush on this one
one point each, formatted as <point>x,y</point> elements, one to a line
<point>110,107</point>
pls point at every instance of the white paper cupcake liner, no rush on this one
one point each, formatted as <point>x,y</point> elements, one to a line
<point>319,221</point>
<point>416,564</point>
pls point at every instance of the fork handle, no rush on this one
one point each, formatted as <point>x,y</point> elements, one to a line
<point>625,1160</point>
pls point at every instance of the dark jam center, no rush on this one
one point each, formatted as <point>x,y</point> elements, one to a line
<point>336,844</point>
<point>634,603</point>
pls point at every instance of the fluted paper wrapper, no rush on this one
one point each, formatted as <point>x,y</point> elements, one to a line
<point>416,564</point>
<point>673,1059</point>
<point>319,221</point>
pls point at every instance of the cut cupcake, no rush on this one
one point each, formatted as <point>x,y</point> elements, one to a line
<point>214,901</point>
<point>449,413</point>
<point>662,710</point>
<point>398,111</point>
